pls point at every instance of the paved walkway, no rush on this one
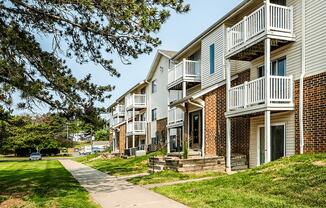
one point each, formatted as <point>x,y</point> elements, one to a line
<point>110,191</point>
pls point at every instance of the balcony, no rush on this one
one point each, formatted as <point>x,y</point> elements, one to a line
<point>270,20</point>
<point>136,128</point>
<point>136,101</point>
<point>185,71</point>
<point>175,117</point>
<point>119,111</point>
<point>250,97</point>
<point>116,120</point>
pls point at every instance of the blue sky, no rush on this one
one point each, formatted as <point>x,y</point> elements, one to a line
<point>179,30</point>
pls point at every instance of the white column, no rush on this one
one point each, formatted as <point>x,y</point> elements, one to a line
<point>228,82</point>
<point>228,144</point>
<point>267,136</point>
<point>133,127</point>
<point>267,68</point>
<point>203,133</point>
<point>168,141</point>
<point>268,16</point>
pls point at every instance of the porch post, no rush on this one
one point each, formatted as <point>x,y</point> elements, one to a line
<point>127,118</point>
<point>168,140</point>
<point>267,69</point>
<point>228,145</point>
<point>267,136</point>
<point>203,133</point>
<point>133,127</point>
<point>228,120</point>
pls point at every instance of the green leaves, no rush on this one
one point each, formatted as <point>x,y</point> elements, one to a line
<point>87,31</point>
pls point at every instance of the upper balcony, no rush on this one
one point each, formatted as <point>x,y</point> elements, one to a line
<point>175,117</point>
<point>244,39</point>
<point>136,128</point>
<point>250,97</point>
<point>136,101</point>
<point>186,71</point>
<point>116,120</point>
<point>119,110</point>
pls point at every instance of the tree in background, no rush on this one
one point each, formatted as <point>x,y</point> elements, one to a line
<point>102,135</point>
<point>86,31</point>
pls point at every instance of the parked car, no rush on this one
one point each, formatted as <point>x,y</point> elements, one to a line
<point>35,156</point>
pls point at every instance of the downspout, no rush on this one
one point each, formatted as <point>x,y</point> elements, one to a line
<point>203,125</point>
<point>303,72</point>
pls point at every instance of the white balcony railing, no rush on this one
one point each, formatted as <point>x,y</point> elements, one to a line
<point>136,100</point>
<point>119,110</point>
<point>254,92</point>
<point>185,70</point>
<point>280,20</point>
<point>136,127</point>
<point>176,115</point>
<point>117,120</point>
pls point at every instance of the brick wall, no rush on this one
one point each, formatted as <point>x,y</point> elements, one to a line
<point>161,130</point>
<point>122,138</point>
<point>215,122</point>
<point>314,113</point>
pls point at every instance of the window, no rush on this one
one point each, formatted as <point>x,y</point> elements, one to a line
<point>212,59</point>
<point>279,2</point>
<point>278,67</point>
<point>154,140</point>
<point>154,86</point>
<point>154,115</point>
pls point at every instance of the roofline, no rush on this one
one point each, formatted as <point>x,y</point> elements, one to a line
<point>210,29</point>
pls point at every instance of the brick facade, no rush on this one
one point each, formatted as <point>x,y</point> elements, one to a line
<point>314,111</point>
<point>161,130</point>
<point>215,122</point>
<point>122,138</point>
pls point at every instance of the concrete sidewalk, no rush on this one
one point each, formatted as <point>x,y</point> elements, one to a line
<point>110,191</point>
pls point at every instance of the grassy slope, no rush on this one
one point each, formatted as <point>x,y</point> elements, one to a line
<point>298,181</point>
<point>170,176</point>
<point>119,166</point>
<point>41,184</point>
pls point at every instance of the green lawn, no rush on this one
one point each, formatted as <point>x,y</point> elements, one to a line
<point>170,176</point>
<point>40,184</point>
<point>118,166</point>
<point>298,181</point>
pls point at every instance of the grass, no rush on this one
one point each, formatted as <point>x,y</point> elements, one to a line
<point>118,166</point>
<point>298,181</point>
<point>40,184</point>
<point>170,176</point>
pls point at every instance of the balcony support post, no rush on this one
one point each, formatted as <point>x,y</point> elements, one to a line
<point>184,68</point>
<point>127,130</point>
<point>245,29</point>
<point>267,136</point>
<point>228,83</point>
<point>168,141</point>
<point>133,127</point>
<point>245,94</point>
<point>228,145</point>
<point>267,69</point>
<point>268,16</point>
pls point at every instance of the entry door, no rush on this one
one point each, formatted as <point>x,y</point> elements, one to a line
<point>277,143</point>
<point>195,129</point>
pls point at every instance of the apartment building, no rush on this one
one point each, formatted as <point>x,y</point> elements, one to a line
<point>253,84</point>
<point>253,92</point>
<point>139,117</point>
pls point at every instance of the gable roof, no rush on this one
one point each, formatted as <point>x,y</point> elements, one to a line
<point>156,61</point>
<point>209,30</point>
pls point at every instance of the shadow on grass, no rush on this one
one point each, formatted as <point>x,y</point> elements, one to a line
<point>40,182</point>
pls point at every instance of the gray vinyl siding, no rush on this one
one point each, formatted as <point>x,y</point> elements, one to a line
<point>255,122</point>
<point>216,37</point>
<point>315,37</point>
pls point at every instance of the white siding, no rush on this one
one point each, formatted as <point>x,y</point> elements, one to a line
<point>287,118</point>
<point>315,37</point>
<point>217,38</point>
<point>159,99</point>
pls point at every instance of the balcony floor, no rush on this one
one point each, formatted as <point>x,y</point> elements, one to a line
<point>255,48</point>
<point>177,85</point>
<point>256,109</point>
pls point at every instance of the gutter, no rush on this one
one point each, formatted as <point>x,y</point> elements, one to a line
<point>303,73</point>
